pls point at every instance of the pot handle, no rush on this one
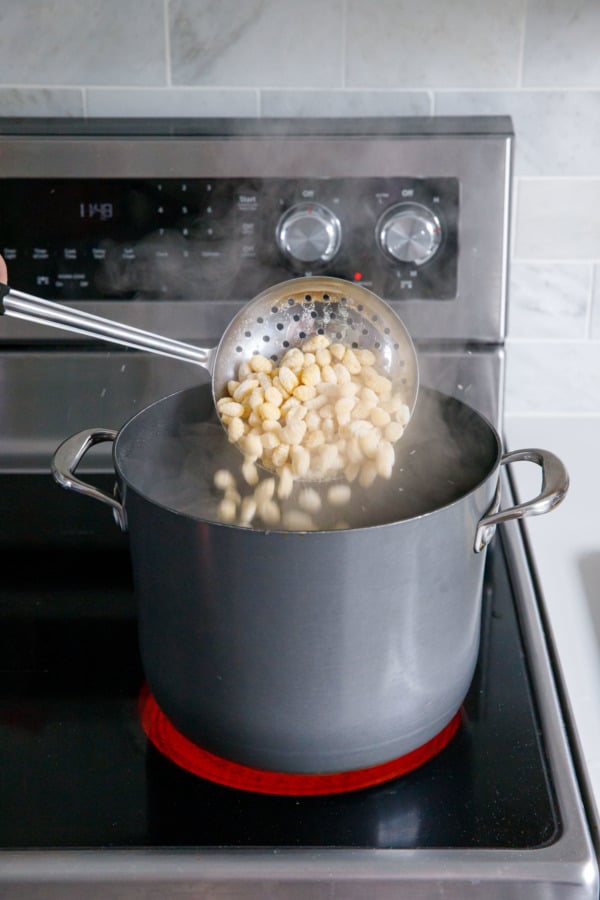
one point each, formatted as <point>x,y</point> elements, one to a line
<point>68,456</point>
<point>555,484</point>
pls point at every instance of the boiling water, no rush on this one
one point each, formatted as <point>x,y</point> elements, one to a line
<point>169,454</point>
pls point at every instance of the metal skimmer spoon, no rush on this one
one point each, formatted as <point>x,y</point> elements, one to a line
<point>280,317</point>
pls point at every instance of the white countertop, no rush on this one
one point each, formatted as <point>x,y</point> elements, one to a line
<point>566,549</point>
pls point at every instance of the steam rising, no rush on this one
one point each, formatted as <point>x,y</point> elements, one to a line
<point>168,261</point>
<point>170,452</point>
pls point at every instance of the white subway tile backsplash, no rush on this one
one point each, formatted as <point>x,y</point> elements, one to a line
<point>345,103</point>
<point>16,101</point>
<point>171,102</point>
<point>595,317</point>
<point>561,44</point>
<point>553,377</point>
<point>402,44</point>
<point>267,43</point>
<point>549,300</point>
<point>61,42</point>
<point>557,132</point>
<point>557,219</point>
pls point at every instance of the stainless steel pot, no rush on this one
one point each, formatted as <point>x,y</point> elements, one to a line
<point>306,652</point>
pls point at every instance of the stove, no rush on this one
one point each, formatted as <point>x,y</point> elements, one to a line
<point>173,226</point>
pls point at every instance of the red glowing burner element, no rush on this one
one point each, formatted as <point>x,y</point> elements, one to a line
<point>181,751</point>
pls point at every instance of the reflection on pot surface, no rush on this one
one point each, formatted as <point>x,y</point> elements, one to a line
<point>320,651</point>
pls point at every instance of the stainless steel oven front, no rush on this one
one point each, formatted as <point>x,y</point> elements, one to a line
<point>173,226</point>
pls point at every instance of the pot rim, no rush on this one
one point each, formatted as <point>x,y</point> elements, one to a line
<point>145,495</point>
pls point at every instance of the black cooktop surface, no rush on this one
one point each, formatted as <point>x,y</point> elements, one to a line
<point>77,771</point>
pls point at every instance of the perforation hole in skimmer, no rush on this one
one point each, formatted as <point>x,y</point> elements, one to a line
<point>287,314</point>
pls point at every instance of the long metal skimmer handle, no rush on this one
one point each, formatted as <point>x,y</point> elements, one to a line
<point>45,312</point>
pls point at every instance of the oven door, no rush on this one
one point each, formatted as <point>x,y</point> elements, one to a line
<point>51,392</point>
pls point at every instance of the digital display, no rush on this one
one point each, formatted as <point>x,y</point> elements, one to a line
<point>78,239</point>
<point>102,211</point>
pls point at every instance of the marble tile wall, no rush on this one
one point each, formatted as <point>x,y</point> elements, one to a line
<point>536,60</point>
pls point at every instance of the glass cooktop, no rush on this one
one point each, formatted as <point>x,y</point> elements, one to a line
<point>77,771</point>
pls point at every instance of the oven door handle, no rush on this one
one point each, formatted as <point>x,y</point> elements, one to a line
<point>555,484</point>
<point>68,457</point>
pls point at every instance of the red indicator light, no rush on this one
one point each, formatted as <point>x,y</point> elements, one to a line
<point>358,276</point>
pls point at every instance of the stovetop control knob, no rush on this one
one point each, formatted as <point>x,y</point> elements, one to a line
<point>409,233</point>
<point>309,233</point>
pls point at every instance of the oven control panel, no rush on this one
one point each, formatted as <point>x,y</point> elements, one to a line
<point>229,238</point>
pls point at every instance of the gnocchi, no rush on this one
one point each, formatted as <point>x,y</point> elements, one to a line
<point>323,413</point>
